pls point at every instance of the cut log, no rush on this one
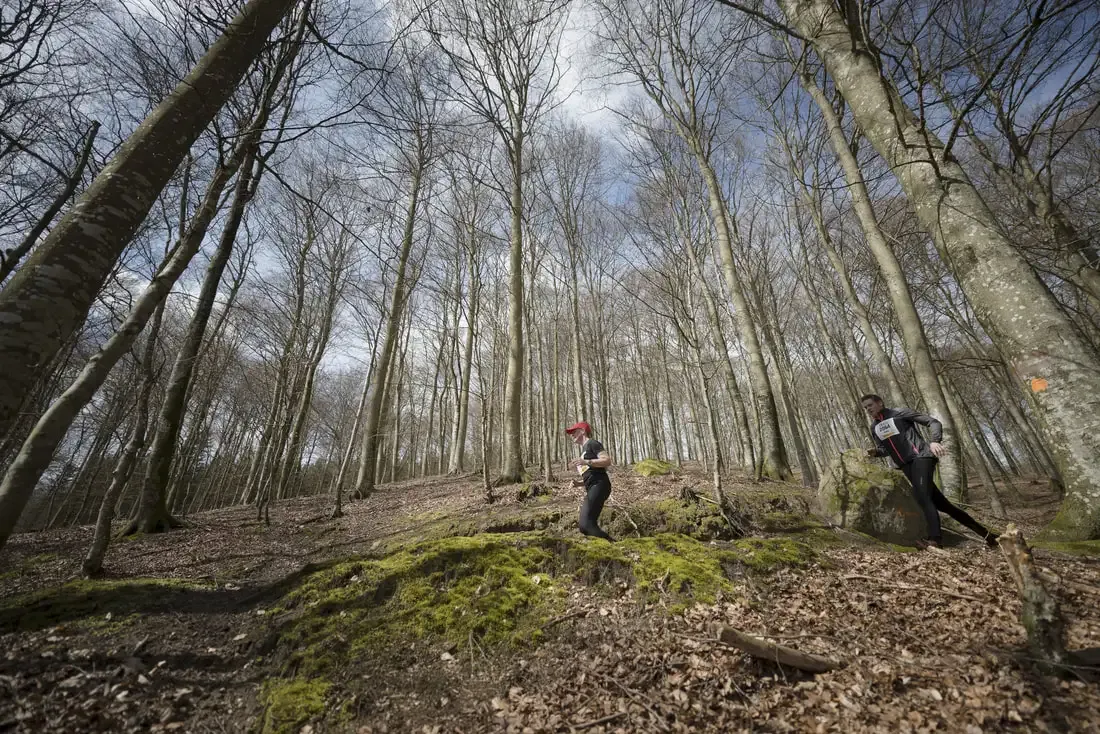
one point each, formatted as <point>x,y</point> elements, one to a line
<point>766,650</point>
<point>1040,612</point>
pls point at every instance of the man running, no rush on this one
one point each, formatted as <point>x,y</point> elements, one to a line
<point>595,460</point>
<point>897,437</point>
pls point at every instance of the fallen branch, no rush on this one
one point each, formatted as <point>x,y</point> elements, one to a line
<point>597,722</point>
<point>566,617</point>
<point>911,587</point>
<point>776,653</point>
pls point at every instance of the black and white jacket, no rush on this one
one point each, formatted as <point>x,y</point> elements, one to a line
<point>896,434</point>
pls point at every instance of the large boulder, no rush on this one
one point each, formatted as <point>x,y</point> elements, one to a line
<point>866,497</point>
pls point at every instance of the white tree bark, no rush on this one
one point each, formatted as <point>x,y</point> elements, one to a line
<point>1049,357</point>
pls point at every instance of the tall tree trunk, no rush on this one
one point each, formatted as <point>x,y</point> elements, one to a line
<point>714,322</point>
<point>1018,312</point>
<point>153,515</point>
<point>909,323</point>
<point>368,454</point>
<point>580,405</point>
<point>512,471</point>
<point>349,451</point>
<point>458,435</point>
<point>50,296</point>
<point>39,447</point>
<point>93,561</point>
<point>772,461</point>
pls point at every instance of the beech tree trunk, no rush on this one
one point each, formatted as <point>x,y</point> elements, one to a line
<point>368,453</point>
<point>49,297</point>
<point>40,445</point>
<point>124,469</point>
<point>1041,344</point>
<point>909,323</point>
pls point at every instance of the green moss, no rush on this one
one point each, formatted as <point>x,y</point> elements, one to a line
<point>787,522</point>
<point>1075,522</point>
<point>652,468</point>
<point>290,703</point>
<point>533,490</point>
<point>84,599</point>
<point>495,588</point>
<point>685,568</point>
<point>499,589</point>
<point>1073,547</point>
<point>768,554</point>
<point>700,520</point>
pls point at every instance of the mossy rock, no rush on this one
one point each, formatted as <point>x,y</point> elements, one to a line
<point>696,519</point>
<point>527,492</point>
<point>288,704</point>
<point>652,468</point>
<point>866,497</point>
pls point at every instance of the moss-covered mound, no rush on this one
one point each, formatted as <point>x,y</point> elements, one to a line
<point>290,703</point>
<point>652,468</point>
<point>695,518</point>
<point>497,589</point>
<point>102,604</point>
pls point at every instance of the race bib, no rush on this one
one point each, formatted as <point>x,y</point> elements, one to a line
<point>885,429</point>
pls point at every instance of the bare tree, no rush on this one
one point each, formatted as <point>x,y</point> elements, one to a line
<point>505,56</point>
<point>683,53</point>
<point>50,295</point>
<point>1041,344</point>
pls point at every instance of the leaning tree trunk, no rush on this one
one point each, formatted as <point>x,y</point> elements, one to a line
<point>909,323</point>
<point>50,296</point>
<point>1041,344</point>
<point>93,562</point>
<point>39,447</point>
<point>368,455</point>
<point>153,515</point>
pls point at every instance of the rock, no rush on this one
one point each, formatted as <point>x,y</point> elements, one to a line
<point>652,468</point>
<point>532,490</point>
<point>869,498</point>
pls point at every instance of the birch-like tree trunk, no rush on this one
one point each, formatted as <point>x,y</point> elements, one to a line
<point>1043,348</point>
<point>51,294</point>
<point>39,447</point>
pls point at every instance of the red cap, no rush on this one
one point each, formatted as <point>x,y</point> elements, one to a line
<point>580,425</point>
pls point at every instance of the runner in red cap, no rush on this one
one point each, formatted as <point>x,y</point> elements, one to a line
<point>594,460</point>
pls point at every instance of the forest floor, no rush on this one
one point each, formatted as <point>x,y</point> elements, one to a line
<point>425,610</point>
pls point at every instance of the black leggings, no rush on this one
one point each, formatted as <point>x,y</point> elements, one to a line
<point>598,490</point>
<point>932,502</point>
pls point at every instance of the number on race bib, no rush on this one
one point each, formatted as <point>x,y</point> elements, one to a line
<point>886,429</point>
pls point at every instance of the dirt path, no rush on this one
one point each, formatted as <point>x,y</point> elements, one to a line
<point>930,641</point>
